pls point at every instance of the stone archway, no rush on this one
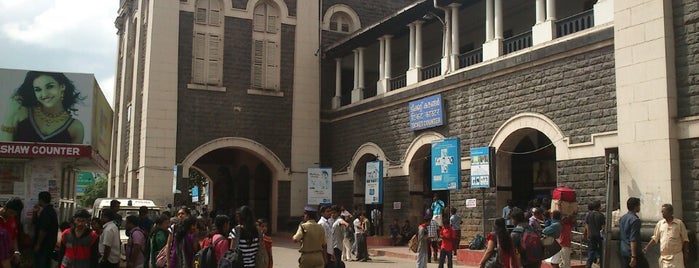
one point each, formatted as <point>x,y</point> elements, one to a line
<point>418,168</point>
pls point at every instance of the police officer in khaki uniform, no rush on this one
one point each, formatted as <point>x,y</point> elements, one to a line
<point>312,238</point>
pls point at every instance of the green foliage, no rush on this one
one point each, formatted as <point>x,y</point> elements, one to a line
<point>95,190</point>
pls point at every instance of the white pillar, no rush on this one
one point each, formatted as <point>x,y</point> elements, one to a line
<point>337,100</point>
<point>361,67</point>
<point>540,11</point>
<point>551,10</point>
<point>356,69</point>
<point>455,35</point>
<point>387,65</point>
<point>488,20</point>
<point>358,91</point>
<point>411,49</point>
<point>446,44</point>
<point>380,84</point>
<point>498,19</point>
<point>418,44</point>
<point>603,12</point>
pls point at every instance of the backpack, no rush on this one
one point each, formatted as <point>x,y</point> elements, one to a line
<point>262,257</point>
<point>477,243</point>
<point>233,258</point>
<point>206,257</point>
<point>530,243</point>
<point>412,244</point>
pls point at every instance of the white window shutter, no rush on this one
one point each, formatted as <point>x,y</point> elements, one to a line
<point>272,24</point>
<point>258,20</point>
<point>258,60</point>
<point>200,16</point>
<point>272,66</point>
<point>214,68</point>
<point>214,18</point>
<point>199,61</point>
<point>198,70</point>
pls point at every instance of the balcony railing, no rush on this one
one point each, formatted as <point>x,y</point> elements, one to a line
<point>398,82</point>
<point>470,58</point>
<point>575,23</point>
<point>432,70</point>
<point>517,42</point>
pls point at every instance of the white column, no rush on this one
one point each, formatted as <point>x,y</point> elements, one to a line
<point>361,67</point>
<point>498,19</point>
<point>337,100</point>
<point>356,69</point>
<point>551,10</point>
<point>418,44</point>
<point>455,35</point>
<point>446,44</point>
<point>387,65</point>
<point>489,20</point>
<point>411,49</point>
<point>357,92</point>
<point>380,84</point>
<point>603,11</point>
<point>540,11</point>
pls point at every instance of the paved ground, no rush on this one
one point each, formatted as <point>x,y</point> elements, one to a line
<point>286,255</point>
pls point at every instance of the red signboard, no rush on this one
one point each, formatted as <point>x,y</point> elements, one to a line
<point>16,149</point>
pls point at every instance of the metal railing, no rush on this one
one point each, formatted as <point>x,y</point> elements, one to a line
<point>575,23</point>
<point>470,58</point>
<point>432,70</point>
<point>397,82</point>
<point>517,42</point>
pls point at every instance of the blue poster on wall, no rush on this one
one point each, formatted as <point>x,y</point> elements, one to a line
<point>446,164</point>
<point>374,183</point>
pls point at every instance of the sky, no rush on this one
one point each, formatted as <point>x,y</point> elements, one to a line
<point>73,36</point>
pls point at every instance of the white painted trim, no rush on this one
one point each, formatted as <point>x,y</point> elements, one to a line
<point>356,23</point>
<point>419,141</point>
<point>688,128</point>
<point>266,155</point>
<point>246,13</point>
<point>372,149</point>
<point>564,149</point>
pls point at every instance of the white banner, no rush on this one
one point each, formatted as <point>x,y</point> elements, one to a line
<point>320,186</point>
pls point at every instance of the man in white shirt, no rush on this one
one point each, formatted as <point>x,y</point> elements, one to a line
<point>338,235</point>
<point>327,223</point>
<point>110,244</point>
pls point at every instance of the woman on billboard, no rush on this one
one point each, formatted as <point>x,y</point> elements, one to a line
<point>42,110</point>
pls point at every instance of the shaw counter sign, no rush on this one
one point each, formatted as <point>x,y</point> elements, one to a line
<point>44,150</point>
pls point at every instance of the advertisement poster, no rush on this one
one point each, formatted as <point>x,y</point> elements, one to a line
<point>446,164</point>
<point>320,186</point>
<point>374,183</point>
<point>481,167</point>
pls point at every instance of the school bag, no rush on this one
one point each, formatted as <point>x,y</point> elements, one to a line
<point>477,243</point>
<point>412,244</point>
<point>530,243</point>
<point>262,257</point>
<point>206,257</point>
<point>233,258</point>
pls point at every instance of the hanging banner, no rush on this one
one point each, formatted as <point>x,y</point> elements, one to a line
<point>446,164</point>
<point>320,186</point>
<point>482,167</point>
<point>374,183</point>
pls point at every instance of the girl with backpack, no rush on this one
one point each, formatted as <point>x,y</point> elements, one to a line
<point>499,243</point>
<point>220,238</point>
<point>158,238</point>
<point>184,244</point>
<point>248,236</point>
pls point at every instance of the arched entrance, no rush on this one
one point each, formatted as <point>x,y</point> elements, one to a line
<point>529,160</point>
<point>419,157</point>
<point>242,172</point>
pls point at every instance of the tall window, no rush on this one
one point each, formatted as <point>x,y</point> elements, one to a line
<point>208,43</point>
<point>340,22</point>
<point>265,46</point>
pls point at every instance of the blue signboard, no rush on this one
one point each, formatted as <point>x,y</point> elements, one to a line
<point>426,113</point>
<point>446,164</point>
<point>481,167</point>
<point>374,183</point>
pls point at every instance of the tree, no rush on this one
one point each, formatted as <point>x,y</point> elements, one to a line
<point>95,190</point>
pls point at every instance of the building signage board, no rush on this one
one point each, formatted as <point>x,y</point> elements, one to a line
<point>482,166</point>
<point>84,179</point>
<point>320,186</point>
<point>23,149</point>
<point>426,113</point>
<point>446,164</point>
<point>195,194</point>
<point>374,183</point>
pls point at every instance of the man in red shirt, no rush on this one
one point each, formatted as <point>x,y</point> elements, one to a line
<point>79,243</point>
<point>562,258</point>
<point>448,236</point>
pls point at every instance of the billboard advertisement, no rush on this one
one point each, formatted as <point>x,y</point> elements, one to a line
<point>320,186</point>
<point>42,110</point>
<point>374,182</point>
<point>446,164</point>
<point>482,166</point>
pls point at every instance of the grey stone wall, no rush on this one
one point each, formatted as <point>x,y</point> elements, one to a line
<point>686,29</point>
<point>577,93</point>
<point>207,115</point>
<point>587,177</point>
<point>689,171</point>
<point>342,194</point>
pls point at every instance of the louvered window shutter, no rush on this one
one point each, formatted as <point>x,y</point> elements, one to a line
<point>215,19</point>
<point>271,68</point>
<point>201,15</point>
<point>272,24</point>
<point>258,62</point>
<point>214,75</point>
<point>199,66</point>
<point>258,20</point>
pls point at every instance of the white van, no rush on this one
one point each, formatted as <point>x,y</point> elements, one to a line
<point>127,206</point>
